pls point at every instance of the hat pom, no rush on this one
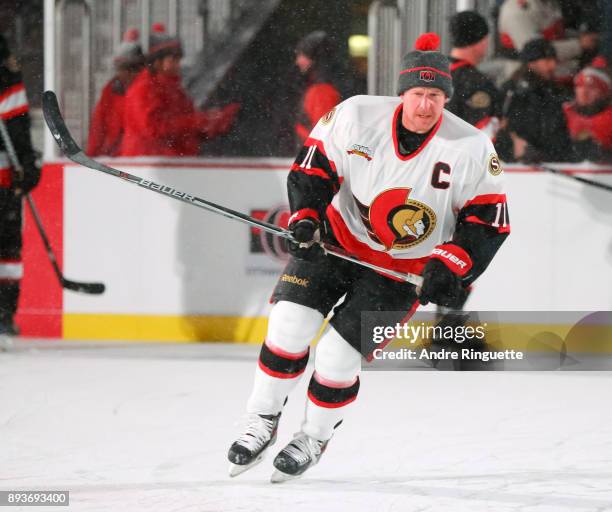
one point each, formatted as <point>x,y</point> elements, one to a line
<point>430,41</point>
<point>131,35</point>
<point>158,28</point>
<point>599,62</point>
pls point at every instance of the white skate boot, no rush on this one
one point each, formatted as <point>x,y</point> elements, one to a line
<point>248,450</point>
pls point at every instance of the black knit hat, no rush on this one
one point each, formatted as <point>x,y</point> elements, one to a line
<point>315,45</point>
<point>161,44</point>
<point>129,54</point>
<point>467,28</point>
<point>425,67</point>
<point>537,49</point>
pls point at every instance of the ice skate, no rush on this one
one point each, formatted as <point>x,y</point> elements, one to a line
<point>249,449</point>
<point>295,458</point>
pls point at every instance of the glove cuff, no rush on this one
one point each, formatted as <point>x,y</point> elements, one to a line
<point>304,213</point>
<point>454,257</point>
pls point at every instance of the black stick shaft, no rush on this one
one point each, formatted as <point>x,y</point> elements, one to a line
<point>592,183</point>
<point>43,236</point>
<point>93,288</point>
<point>71,149</point>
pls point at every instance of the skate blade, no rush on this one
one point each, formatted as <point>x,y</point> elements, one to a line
<point>238,469</point>
<point>278,477</point>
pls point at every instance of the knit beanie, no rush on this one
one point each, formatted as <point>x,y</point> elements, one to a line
<point>537,49</point>
<point>315,45</point>
<point>425,66</point>
<point>467,28</point>
<point>161,44</point>
<point>129,53</point>
<point>597,78</point>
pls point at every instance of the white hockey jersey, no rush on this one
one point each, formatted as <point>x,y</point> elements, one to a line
<point>390,209</point>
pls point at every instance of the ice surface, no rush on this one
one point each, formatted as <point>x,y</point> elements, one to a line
<point>147,428</point>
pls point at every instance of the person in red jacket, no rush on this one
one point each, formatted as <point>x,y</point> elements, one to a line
<point>589,116</point>
<point>159,117</point>
<point>320,94</point>
<point>106,129</point>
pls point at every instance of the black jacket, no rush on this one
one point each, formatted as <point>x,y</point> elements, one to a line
<point>475,97</point>
<point>533,109</point>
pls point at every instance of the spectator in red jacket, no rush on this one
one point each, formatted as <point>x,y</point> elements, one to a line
<point>106,129</point>
<point>589,116</point>
<point>313,54</point>
<point>159,117</point>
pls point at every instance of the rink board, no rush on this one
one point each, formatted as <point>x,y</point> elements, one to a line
<point>177,273</point>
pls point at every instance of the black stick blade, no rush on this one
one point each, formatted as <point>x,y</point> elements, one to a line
<point>57,126</point>
<point>91,288</point>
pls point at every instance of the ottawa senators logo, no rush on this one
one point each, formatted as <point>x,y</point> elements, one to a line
<point>427,76</point>
<point>395,221</point>
<point>495,167</point>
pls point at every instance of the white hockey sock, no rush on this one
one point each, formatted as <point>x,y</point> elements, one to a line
<point>283,356</point>
<point>333,386</point>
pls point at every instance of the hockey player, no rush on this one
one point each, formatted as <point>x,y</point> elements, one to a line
<point>475,98</point>
<point>106,130</point>
<point>14,110</point>
<point>399,182</point>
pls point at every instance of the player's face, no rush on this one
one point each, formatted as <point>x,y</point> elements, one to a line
<point>422,107</point>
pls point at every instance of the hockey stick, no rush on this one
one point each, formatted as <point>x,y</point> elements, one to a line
<point>69,147</point>
<point>75,286</point>
<point>593,183</point>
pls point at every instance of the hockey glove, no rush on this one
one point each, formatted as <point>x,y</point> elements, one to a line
<point>442,277</point>
<point>306,233</point>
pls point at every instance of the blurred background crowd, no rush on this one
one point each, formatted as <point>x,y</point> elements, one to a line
<point>252,78</point>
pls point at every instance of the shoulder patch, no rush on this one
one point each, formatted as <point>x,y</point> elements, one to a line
<point>480,99</point>
<point>495,167</point>
<point>326,119</point>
